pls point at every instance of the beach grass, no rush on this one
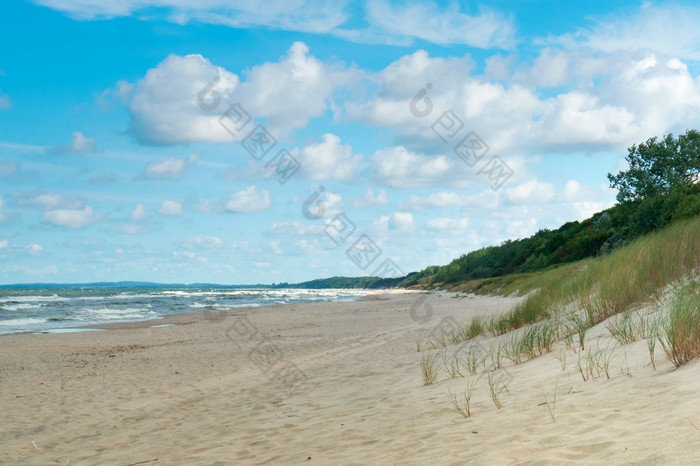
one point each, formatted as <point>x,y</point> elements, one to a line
<point>430,367</point>
<point>680,334</point>
<point>604,286</point>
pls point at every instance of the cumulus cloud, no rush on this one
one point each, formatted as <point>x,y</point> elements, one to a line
<point>79,145</point>
<point>3,244</point>
<point>170,208</point>
<point>203,242</point>
<point>609,102</point>
<point>250,199</point>
<point>290,92</point>
<point>164,108</point>
<point>174,102</point>
<point>171,168</point>
<point>34,249</point>
<point>71,218</point>
<point>328,159</point>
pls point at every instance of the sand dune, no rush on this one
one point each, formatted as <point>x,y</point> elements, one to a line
<point>328,383</point>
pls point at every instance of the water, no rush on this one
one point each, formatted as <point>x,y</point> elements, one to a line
<point>53,310</point>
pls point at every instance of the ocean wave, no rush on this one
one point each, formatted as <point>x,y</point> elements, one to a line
<point>19,307</point>
<point>32,299</point>
<point>108,313</point>
<point>21,322</point>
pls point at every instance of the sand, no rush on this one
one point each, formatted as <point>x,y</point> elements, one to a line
<point>337,383</point>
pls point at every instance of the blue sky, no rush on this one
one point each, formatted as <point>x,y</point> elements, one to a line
<point>115,163</point>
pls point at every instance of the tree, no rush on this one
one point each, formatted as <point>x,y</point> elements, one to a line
<point>659,167</point>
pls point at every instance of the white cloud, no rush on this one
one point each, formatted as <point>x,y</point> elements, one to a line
<point>401,221</point>
<point>71,218</point>
<point>171,168</point>
<point>324,203</point>
<point>328,160</point>
<point>400,168</point>
<point>121,91</point>
<point>311,248</point>
<point>165,108</point>
<point>448,224</point>
<point>203,242</point>
<point>54,200</point>
<point>206,206</point>
<point>388,23</point>
<point>485,199</point>
<point>79,145</point>
<point>370,199</point>
<point>170,208</point>
<point>249,200</point>
<point>522,228</point>
<point>669,28</point>
<point>609,101</point>
<point>402,22</point>
<point>139,213</point>
<point>35,249</point>
<point>530,192</point>
<point>290,92</point>
<point>3,244</point>
<point>316,16</point>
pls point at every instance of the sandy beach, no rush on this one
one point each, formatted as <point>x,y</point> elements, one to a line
<point>328,383</point>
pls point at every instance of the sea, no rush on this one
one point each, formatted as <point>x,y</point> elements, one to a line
<point>58,311</point>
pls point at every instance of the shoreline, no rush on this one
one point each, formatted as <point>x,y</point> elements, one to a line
<point>171,319</point>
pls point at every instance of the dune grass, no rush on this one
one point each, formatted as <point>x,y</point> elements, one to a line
<point>680,335</point>
<point>430,367</point>
<point>608,285</point>
<point>564,302</point>
<point>463,407</point>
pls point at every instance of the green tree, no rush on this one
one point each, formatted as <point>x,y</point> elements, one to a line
<point>659,166</point>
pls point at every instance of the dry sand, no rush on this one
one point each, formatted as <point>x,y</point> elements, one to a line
<point>190,394</point>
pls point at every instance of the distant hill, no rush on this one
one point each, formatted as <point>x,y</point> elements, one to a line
<point>345,282</point>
